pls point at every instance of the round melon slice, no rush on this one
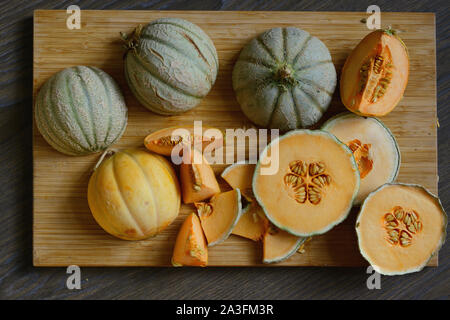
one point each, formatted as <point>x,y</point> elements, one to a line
<point>374,148</point>
<point>315,184</point>
<point>400,227</point>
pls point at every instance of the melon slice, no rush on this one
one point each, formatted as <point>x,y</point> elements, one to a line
<point>252,224</point>
<point>198,181</point>
<point>278,245</point>
<point>163,141</point>
<point>400,227</point>
<point>315,184</point>
<point>220,215</point>
<point>190,246</point>
<point>374,148</point>
<point>239,175</point>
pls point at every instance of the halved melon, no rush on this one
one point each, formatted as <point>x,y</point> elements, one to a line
<point>400,227</point>
<point>190,246</point>
<point>198,181</point>
<point>220,215</point>
<point>315,184</point>
<point>374,147</point>
<point>239,175</point>
<point>163,141</point>
<point>278,245</point>
<point>252,224</point>
<point>375,74</point>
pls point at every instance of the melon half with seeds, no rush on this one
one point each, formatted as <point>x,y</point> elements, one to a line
<point>220,215</point>
<point>375,74</point>
<point>315,184</point>
<point>374,148</point>
<point>400,227</point>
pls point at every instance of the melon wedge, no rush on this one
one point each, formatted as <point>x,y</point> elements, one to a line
<point>163,141</point>
<point>198,181</point>
<point>220,215</point>
<point>374,148</point>
<point>400,227</point>
<point>190,246</point>
<point>252,224</point>
<point>239,175</point>
<point>278,245</point>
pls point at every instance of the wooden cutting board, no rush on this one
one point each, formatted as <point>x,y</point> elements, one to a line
<point>64,231</point>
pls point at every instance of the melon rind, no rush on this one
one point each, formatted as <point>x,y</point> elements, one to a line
<point>438,247</point>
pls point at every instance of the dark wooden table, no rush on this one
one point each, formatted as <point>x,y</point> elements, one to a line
<point>20,280</point>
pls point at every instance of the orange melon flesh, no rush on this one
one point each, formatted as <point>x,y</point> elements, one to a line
<point>277,199</point>
<point>386,257</point>
<point>198,181</point>
<point>190,246</point>
<point>252,223</point>
<point>394,53</point>
<point>278,245</point>
<point>220,215</point>
<point>239,175</point>
<point>163,141</point>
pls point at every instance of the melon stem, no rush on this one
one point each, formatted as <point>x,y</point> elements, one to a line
<point>108,152</point>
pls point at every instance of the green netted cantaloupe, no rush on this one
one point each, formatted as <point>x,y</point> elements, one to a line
<point>170,65</point>
<point>400,227</point>
<point>80,110</point>
<point>374,148</point>
<point>284,78</point>
<point>314,186</point>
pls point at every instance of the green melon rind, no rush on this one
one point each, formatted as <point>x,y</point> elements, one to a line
<point>345,115</point>
<point>293,250</point>
<point>233,224</point>
<point>438,247</point>
<point>355,170</point>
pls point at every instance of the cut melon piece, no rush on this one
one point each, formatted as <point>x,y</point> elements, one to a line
<point>278,245</point>
<point>252,224</point>
<point>163,141</point>
<point>315,184</point>
<point>190,246</point>
<point>198,181</point>
<point>239,176</point>
<point>400,227</point>
<point>220,215</point>
<point>374,148</point>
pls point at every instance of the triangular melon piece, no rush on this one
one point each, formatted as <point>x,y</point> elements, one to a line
<point>239,176</point>
<point>190,246</point>
<point>220,215</point>
<point>198,181</point>
<point>252,223</point>
<point>278,245</point>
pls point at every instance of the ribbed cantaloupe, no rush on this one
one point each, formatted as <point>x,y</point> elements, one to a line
<point>80,110</point>
<point>170,65</point>
<point>134,194</point>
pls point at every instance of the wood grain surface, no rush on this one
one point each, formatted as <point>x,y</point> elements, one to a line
<point>62,218</point>
<point>19,280</point>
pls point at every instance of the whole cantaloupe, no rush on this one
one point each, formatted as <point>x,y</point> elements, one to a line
<point>134,194</point>
<point>80,110</point>
<point>285,79</point>
<point>170,65</point>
